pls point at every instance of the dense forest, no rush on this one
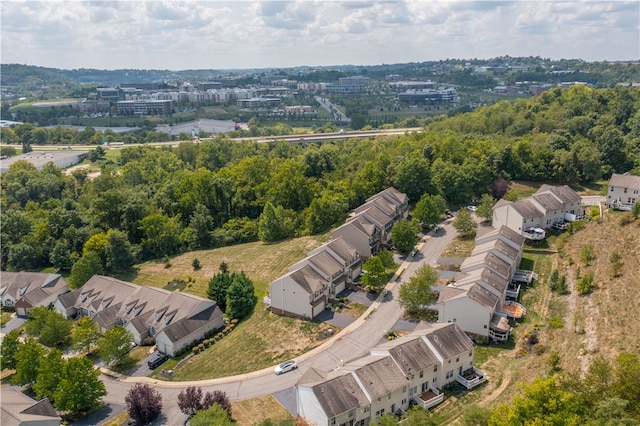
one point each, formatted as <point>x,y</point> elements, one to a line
<point>157,202</point>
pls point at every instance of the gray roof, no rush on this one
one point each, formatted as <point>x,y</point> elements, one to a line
<point>391,194</point>
<point>308,279</point>
<point>497,245</point>
<point>526,208</point>
<point>375,215</point>
<point>33,287</point>
<point>411,353</point>
<point>326,263</point>
<point>342,248</point>
<point>564,193</point>
<point>380,202</point>
<point>483,297</point>
<point>511,235</point>
<point>449,340</point>
<point>188,325</point>
<point>548,201</point>
<point>625,180</point>
<point>113,300</point>
<point>340,395</point>
<point>379,374</point>
<point>17,408</point>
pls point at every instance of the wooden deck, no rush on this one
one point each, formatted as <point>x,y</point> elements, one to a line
<point>513,311</point>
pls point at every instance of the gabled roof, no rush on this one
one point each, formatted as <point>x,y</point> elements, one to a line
<point>308,279</point>
<point>526,208</point>
<point>359,224</point>
<point>511,235</point>
<point>483,297</point>
<point>311,377</point>
<point>374,215</point>
<point>378,374</point>
<point>326,263</point>
<point>548,201</point>
<point>17,408</point>
<point>625,180</point>
<point>411,353</point>
<point>185,326</point>
<point>343,249</point>
<point>449,340</point>
<point>391,194</point>
<point>497,246</point>
<point>142,307</point>
<point>339,395</point>
<point>34,287</point>
<point>564,193</point>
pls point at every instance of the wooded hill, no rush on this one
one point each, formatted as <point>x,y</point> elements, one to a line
<point>159,202</point>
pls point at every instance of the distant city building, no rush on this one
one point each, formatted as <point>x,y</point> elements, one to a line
<point>258,102</point>
<point>428,95</point>
<point>298,109</point>
<point>207,85</point>
<point>536,89</point>
<point>108,93</point>
<point>357,80</point>
<point>142,86</point>
<point>144,107</point>
<point>194,127</point>
<point>406,85</point>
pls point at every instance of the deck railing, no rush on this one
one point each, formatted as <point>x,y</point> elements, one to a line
<point>473,378</point>
<point>431,402</point>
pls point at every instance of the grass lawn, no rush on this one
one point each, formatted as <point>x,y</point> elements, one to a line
<point>255,410</point>
<point>266,339</point>
<point>460,247</point>
<point>5,317</point>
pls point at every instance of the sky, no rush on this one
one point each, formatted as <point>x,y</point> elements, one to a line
<point>210,34</point>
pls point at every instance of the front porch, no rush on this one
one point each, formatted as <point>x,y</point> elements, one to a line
<point>429,399</point>
<point>471,378</point>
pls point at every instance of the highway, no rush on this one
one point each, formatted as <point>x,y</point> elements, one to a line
<point>352,342</point>
<point>298,138</point>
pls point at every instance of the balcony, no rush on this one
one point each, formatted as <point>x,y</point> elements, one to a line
<point>499,336</point>
<point>513,290</point>
<point>513,310</point>
<point>471,378</point>
<point>524,276</point>
<point>534,234</point>
<point>429,399</point>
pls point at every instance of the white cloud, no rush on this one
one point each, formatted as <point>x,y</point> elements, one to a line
<point>234,34</point>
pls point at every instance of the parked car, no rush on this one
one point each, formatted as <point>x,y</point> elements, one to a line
<point>156,359</point>
<point>285,367</point>
<point>472,208</point>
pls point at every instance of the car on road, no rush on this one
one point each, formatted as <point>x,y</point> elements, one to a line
<point>472,208</point>
<point>285,367</point>
<point>156,359</point>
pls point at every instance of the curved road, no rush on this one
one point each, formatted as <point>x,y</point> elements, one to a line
<point>352,342</point>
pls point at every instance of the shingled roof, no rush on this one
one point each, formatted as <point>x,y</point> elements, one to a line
<point>625,180</point>
<point>340,395</point>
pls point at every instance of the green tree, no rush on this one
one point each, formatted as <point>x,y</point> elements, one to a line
<point>485,208</point>
<point>429,209</point>
<point>241,298</point>
<point>214,415</point>
<point>417,293</point>
<point>541,403</point>
<point>404,235</point>
<point>464,223</point>
<point>85,268</point>
<point>119,254</point>
<point>388,419</point>
<point>218,286</point>
<point>413,176</point>
<point>386,257</point>
<point>374,277</point>
<point>80,387</point>
<point>85,334</point>
<point>161,235</point>
<point>50,327</point>
<point>60,256</point>
<point>115,345</point>
<point>626,369</point>
<point>269,225</point>
<point>635,210</point>
<point>50,372</point>
<point>9,348</point>
<point>27,359</point>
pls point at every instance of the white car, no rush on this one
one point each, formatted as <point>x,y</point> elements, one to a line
<point>285,367</point>
<point>472,208</point>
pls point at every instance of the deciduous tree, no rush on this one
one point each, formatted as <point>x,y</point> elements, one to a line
<point>417,293</point>
<point>85,268</point>
<point>485,208</point>
<point>404,235</point>
<point>374,278</point>
<point>143,403</point>
<point>85,334</point>
<point>464,223</point>
<point>115,345</point>
<point>430,209</point>
<point>10,344</point>
<point>27,359</point>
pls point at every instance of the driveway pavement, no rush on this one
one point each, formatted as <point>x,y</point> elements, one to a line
<point>335,318</point>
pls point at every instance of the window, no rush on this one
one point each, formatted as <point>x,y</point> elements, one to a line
<point>434,380</point>
<point>612,189</point>
<point>404,401</point>
<point>366,409</point>
<point>485,326</point>
<point>388,396</point>
<point>152,330</point>
<point>458,359</point>
<point>404,389</point>
<point>435,368</point>
<point>352,413</point>
<point>421,374</point>
<point>470,353</point>
<point>625,190</point>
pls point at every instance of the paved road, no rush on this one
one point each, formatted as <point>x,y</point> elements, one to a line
<point>352,342</point>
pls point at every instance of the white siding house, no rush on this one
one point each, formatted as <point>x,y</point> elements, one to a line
<point>624,191</point>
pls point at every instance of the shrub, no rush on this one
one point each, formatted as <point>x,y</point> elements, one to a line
<point>143,403</point>
<point>585,283</point>
<point>556,322</point>
<point>196,265</point>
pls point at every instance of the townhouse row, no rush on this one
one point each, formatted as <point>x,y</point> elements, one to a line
<point>312,283</point>
<point>483,300</point>
<point>411,369</point>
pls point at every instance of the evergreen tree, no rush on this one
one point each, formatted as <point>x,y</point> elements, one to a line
<point>241,297</point>
<point>218,286</point>
<point>269,225</point>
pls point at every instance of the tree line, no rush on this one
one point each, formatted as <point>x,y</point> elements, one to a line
<point>159,202</point>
